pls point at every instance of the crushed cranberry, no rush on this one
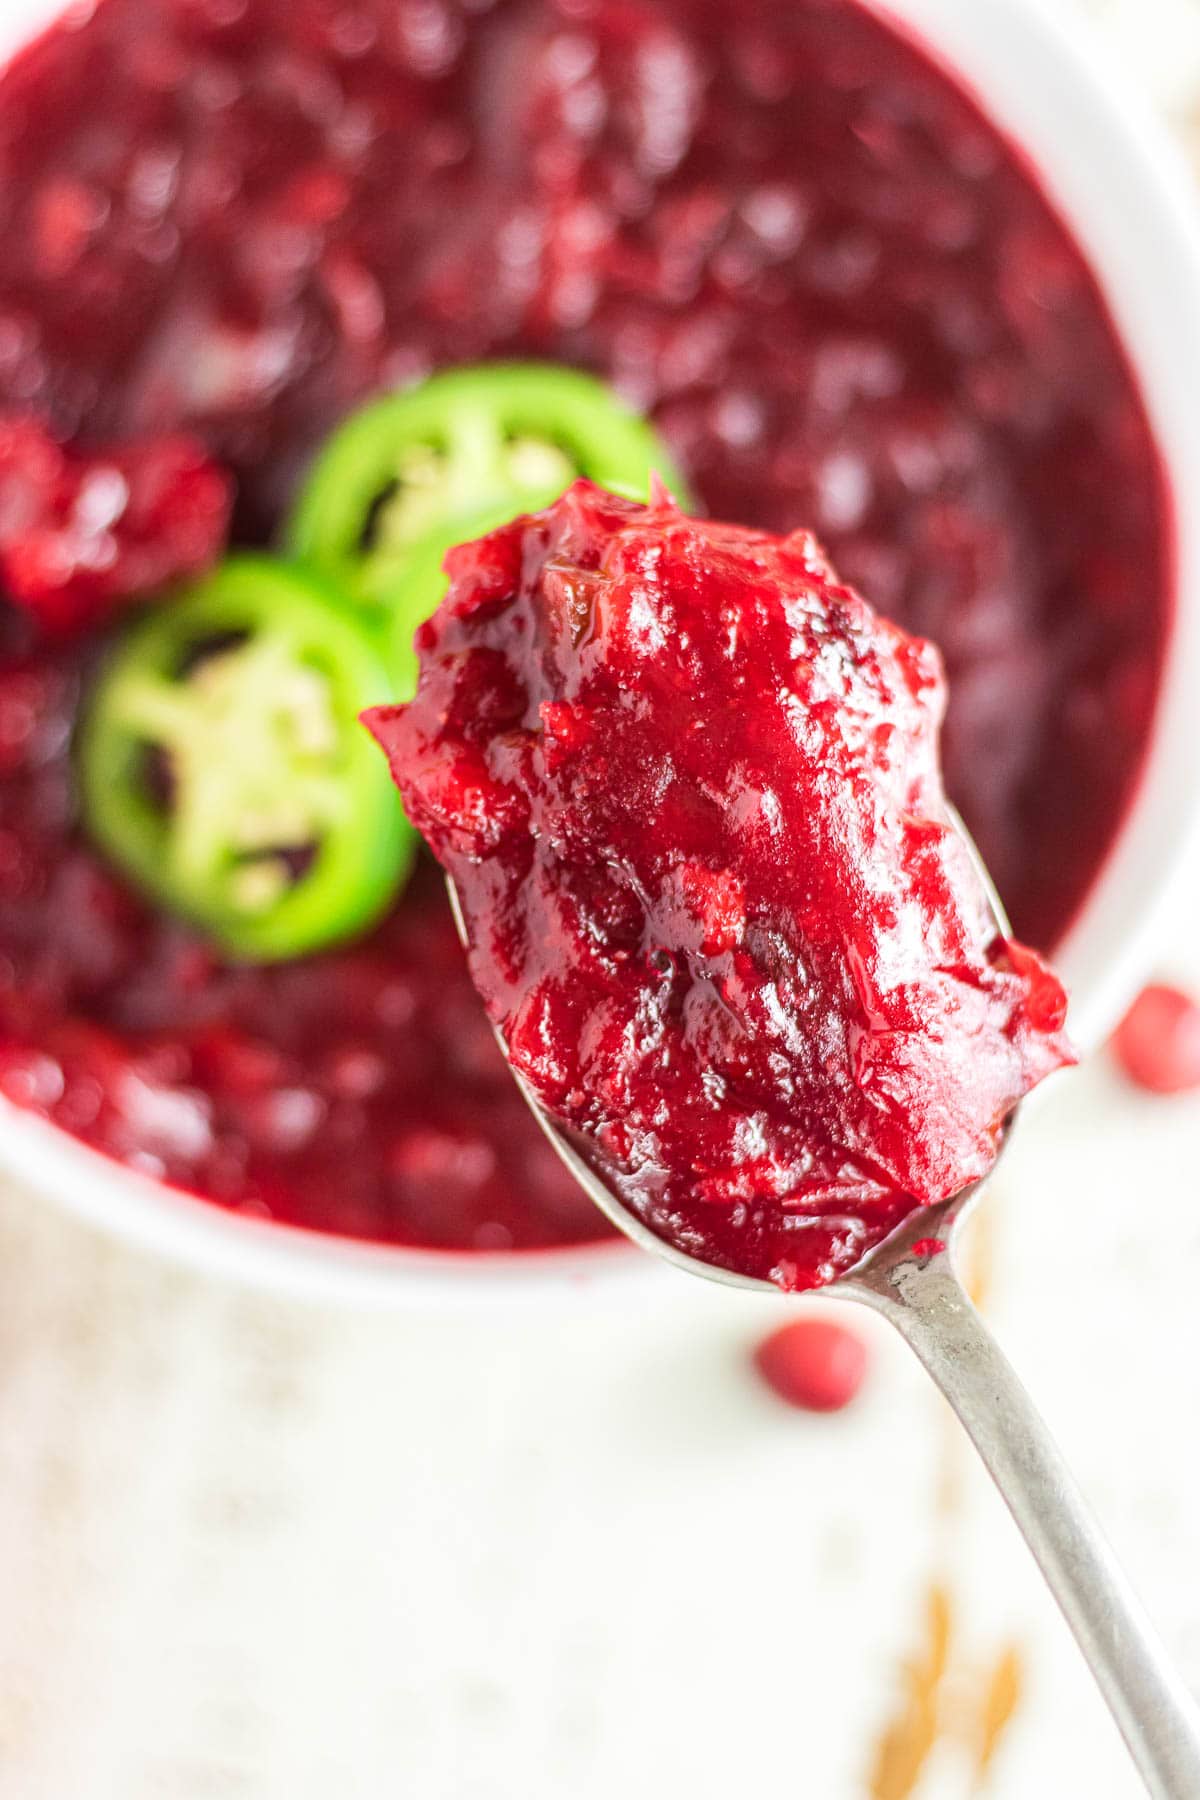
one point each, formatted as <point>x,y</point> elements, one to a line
<point>1158,1042</point>
<point>782,231</point>
<point>814,1364</point>
<point>723,922</point>
<point>85,534</point>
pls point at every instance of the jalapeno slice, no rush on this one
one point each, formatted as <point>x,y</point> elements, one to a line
<point>495,440</point>
<point>223,768</point>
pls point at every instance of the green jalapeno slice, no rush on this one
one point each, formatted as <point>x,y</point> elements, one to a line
<point>492,441</point>
<point>223,769</point>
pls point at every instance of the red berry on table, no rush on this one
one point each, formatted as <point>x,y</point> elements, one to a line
<point>1158,1042</point>
<point>815,1364</point>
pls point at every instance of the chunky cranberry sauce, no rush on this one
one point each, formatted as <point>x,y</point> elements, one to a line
<point>687,787</point>
<point>84,535</point>
<point>781,231</point>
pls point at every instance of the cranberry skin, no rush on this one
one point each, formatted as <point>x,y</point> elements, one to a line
<point>814,1364</point>
<point>1158,1042</point>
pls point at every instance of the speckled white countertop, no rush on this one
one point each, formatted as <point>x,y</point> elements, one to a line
<point>251,1551</point>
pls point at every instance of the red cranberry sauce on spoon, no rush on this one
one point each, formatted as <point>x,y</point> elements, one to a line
<point>687,787</point>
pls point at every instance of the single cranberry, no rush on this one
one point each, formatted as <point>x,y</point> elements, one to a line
<point>1158,1042</point>
<point>815,1364</point>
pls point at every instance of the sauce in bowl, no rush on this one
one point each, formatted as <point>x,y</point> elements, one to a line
<point>784,234</point>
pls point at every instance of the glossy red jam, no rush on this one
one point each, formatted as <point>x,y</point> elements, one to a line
<point>687,788</point>
<point>782,231</point>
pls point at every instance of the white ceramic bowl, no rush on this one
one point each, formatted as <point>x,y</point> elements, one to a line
<point>1128,200</point>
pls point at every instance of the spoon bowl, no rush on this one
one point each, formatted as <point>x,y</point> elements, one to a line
<point>936,1224</point>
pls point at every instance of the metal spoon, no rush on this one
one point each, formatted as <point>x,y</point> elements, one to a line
<point>918,1291</point>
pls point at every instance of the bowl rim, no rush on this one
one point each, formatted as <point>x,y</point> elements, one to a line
<point>1023,66</point>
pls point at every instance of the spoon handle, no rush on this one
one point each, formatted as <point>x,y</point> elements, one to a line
<point>1158,1717</point>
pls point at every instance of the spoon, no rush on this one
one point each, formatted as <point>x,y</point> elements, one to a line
<point>911,1280</point>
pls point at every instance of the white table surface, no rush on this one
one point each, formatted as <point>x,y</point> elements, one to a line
<point>252,1551</point>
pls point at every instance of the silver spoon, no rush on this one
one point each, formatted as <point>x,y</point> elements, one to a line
<point>920,1294</point>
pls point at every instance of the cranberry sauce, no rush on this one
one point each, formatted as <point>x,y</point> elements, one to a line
<point>84,535</point>
<point>781,231</point>
<point>687,787</point>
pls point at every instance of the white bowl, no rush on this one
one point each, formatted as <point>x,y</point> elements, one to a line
<point>1127,198</point>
